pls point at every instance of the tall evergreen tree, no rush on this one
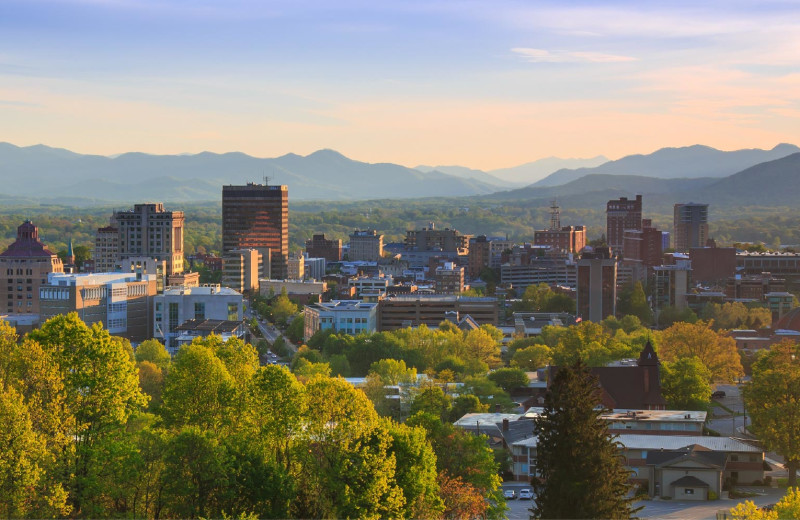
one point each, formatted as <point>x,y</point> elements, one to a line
<point>579,468</point>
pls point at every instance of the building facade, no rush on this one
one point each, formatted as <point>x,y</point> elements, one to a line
<point>320,247</point>
<point>449,279</point>
<point>256,216</point>
<point>567,239</point>
<point>149,230</point>
<point>106,249</point>
<point>413,310</point>
<point>597,285</point>
<point>622,214</point>
<point>25,266</point>
<point>432,239</point>
<point>690,226</point>
<point>644,245</point>
<point>120,301</point>
<point>365,246</point>
<point>241,269</point>
<point>347,316</point>
<point>180,304</point>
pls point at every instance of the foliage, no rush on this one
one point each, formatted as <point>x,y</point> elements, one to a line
<point>282,308</point>
<point>531,358</point>
<point>153,351</point>
<point>509,378</point>
<point>715,350</point>
<point>633,302</point>
<point>431,400</point>
<point>734,315</point>
<point>773,401</point>
<point>393,372</point>
<point>541,298</point>
<point>579,469</point>
<point>787,507</point>
<point>669,316</point>
<point>685,384</point>
<point>296,328</point>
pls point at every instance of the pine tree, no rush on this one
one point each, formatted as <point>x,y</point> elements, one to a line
<point>578,465</point>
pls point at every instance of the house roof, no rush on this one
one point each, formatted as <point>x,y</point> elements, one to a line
<point>689,481</point>
<point>790,320</point>
<point>676,442</point>
<point>694,452</point>
<point>27,244</point>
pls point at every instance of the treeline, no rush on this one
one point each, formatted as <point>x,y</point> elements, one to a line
<point>517,219</point>
<point>88,428</point>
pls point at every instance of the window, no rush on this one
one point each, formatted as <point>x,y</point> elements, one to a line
<point>200,310</point>
<point>173,316</point>
<point>688,491</point>
<point>233,311</point>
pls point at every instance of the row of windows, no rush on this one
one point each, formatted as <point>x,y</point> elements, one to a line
<point>10,272</point>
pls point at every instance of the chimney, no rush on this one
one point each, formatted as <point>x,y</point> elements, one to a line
<point>505,425</point>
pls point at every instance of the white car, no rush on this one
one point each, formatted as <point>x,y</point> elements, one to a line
<point>525,494</point>
<point>510,494</point>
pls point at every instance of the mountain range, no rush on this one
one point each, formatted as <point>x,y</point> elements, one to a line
<point>699,173</point>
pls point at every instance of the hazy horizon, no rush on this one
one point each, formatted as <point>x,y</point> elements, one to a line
<point>487,85</point>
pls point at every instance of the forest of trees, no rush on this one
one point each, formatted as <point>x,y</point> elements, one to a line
<point>517,219</point>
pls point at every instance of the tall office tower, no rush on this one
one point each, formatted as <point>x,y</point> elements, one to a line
<point>622,214</point>
<point>24,267</point>
<point>690,226</point>
<point>106,249</point>
<point>597,284</point>
<point>148,230</point>
<point>365,245</point>
<point>256,216</point>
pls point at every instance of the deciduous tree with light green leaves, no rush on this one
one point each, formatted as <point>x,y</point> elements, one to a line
<point>685,384</point>
<point>772,397</point>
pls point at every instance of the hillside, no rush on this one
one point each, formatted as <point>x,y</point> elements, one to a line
<point>323,175</point>
<point>775,183</point>
<point>672,163</point>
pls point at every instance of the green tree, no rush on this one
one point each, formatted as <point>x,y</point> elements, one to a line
<point>101,388</point>
<point>669,316</point>
<point>580,473</point>
<point>199,390</point>
<point>296,328</point>
<point>509,378</point>
<point>282,308</point>
<point>393,372</point>
<point>416,471</point>
<point>431,400</point>
<point>464,404</point>
<point>685,384</point>
<point>531,358</point>
<point>773,401</point>
<point>153,351</point>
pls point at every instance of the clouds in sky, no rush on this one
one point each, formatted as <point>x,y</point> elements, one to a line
<point>481,83</point>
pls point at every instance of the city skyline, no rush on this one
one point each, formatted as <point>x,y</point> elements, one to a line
<point>485,85</point>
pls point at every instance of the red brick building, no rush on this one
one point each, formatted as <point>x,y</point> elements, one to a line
<point>622,214</point>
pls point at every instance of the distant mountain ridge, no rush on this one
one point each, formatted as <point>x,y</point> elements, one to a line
<point>322,175</point>
<point>671,163</point>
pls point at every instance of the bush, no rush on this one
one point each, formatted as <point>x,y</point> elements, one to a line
<point>783,482</point>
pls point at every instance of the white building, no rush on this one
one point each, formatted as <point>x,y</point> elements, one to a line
<point>241,269</point>
<point>347,316</point>
<point>180,304</point>
<point>371,284</point>
<point>315,268</point>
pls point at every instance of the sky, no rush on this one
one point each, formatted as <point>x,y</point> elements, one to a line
<point>483,84</point>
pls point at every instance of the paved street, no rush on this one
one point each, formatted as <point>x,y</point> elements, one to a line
<point>668,509</point>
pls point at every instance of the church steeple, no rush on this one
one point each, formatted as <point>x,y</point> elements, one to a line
<point>70,254</point>
<point>648,356</point>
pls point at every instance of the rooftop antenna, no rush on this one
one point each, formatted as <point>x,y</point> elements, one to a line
<point>555,216</point>
<point>266,180</point>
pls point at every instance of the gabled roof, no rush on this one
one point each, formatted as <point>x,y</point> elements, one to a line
<point>694,453</point>
<point>689,481</point>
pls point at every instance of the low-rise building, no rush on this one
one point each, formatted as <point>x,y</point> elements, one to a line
<point>347,316</point>
<point>120,301</point>
<point>412,310</point>
<point>188,331</point>
<point>301,290</point>
<point>180,304</point>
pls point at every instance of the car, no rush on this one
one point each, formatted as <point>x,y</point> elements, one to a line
<point>510,494</point>
<point>525,494</point>
<point>718,394</point>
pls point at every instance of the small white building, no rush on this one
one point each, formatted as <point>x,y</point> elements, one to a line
<point>180,304</point>
<point>347,316</point>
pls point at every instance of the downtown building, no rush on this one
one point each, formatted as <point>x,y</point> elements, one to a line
<point>365,245</point>
<point>621,215</point>
<point>256,216</point>
<point>690,223</point>
<point>597,285</point>
<point>25,266</point>
<point>147,230</point>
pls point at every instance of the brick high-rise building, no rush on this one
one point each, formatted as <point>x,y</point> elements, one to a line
<point>644,245</point>
<point>480,255</point>
<point>568,239</point>
<point>106,249</point>
<point>148,230</point>
<point>691,226</point>
<point>366,245</point>
<point>622,214</point>
<point>256,216</point>
<point>24,267</point>
<point>432,239</point>
<point>320,247</point>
